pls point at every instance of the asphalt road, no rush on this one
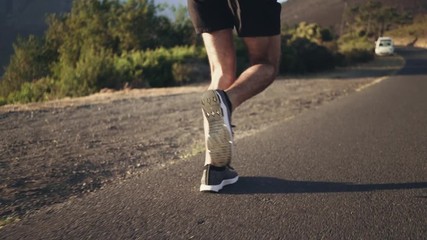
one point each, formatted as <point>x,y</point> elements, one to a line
<point>355,168</point>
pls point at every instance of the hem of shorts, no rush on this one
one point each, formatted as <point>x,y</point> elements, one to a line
<point>200,30</point>
<point>258,34</point>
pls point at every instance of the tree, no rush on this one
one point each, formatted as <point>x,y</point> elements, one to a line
<point>30,62</point>
<point>183,28</point>
<point>372,19</point>
<point>312,32</point>
<point>87,49</point>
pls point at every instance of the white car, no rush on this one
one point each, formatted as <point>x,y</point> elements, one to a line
<point>384,46</point>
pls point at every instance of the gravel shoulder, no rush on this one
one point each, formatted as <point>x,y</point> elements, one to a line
<point>53,151</point>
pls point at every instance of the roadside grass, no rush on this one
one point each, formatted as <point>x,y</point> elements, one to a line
<point>197,148</point>
<point>8,220</point>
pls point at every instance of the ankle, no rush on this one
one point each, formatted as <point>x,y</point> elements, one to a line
<point>227,101</point>
<point>215,168</point>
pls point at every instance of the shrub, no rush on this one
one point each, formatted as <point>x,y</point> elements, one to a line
<point>128,71</point>
<point>290,62</point>
<point>103,44</point>
<point>348,43</point>
<point>310,31</point>
<point>181,73</point>
<point>2,101</point>
<point>355,49</point>
<point>189,64</point>
<point>93,71</point>
<point>41,90</point>
<point>358,55</point>
<point>156,67</point>
<point>307,47</point>
<point>301,55</point>
<point>30,61</point>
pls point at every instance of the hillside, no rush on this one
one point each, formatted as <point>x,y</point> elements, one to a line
<point>329,13</point>
<point>24,17</point>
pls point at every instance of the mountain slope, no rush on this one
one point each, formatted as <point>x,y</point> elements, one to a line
<point>328,13</point>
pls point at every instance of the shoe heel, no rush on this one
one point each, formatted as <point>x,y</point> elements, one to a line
<point>219,141</point>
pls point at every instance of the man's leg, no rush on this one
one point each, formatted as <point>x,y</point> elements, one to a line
<point>217,106</point>
<point>222,58</point>
<point>217,117</point>
<point>216,110</point>
<point>208,17</point>
<point>264,55</point>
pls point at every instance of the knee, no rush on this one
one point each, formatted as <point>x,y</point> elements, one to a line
<point>221,80</point>
<point>269,70</point>
<point>273,70</point>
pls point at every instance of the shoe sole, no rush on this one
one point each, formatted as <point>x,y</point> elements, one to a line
<point>217,188</point>
<point>219,141</point>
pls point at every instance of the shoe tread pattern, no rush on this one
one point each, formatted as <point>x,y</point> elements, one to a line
<point>219,142</point>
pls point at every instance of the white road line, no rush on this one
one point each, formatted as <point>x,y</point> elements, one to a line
<point>371,84</point>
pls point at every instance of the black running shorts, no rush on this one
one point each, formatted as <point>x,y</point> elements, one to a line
<point>251,18</point>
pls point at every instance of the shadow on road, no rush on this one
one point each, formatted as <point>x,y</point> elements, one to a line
<point>252,185</point>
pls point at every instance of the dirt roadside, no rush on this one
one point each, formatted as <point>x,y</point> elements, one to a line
<point>53,151</point>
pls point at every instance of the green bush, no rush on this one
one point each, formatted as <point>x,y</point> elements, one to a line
<point>349,42</point>
<point>181,73</point>
<point>156,67</point>
<point>103,44</point>
<point>310,31</point>
<point>41,90</point>
<point>290,62</point>
<point>98,68</point>
<point>129,71</point>
<point>189,64</point>
<point>355,49</point>
<point>30,61</point>
<point>307,48</point>
<point>358,56</point>
<point>93,71</point>
<point>3,101</point>
<point>301,55</point>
